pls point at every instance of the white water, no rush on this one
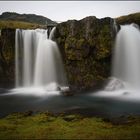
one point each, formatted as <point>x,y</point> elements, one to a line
<point>51,36</point>
<point>38,62</point>
<point>126,61</point>
<point>125,81</point>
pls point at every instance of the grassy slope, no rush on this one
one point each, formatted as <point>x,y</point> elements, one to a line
<point>66,127</point>
<point>132,18</point>
<point>18,24</point>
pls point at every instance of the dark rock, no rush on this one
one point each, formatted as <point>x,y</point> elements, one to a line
<point>7,57</point>
<point>27,113</point>
<point>86,47</point>
<point>68,93</point>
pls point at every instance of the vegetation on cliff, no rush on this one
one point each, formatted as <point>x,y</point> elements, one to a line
<point>44,126</point>
<point>7,57</point>
<point>86,46</point>
<point>128,19</point>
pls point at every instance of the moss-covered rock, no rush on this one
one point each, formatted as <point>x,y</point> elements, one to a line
<point>86,46</point>
<point>7,57</point>
<point>128,19</point>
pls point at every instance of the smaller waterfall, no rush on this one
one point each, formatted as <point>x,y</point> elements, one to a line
<point>51,36</point>
<point>126,64</point>
<point>115,26</point>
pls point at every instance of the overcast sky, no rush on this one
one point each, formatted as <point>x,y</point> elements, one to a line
<point>64,10</point>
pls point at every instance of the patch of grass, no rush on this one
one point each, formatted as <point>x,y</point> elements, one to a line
<point>44,126</point>
<point>18,24</point>
<point>132,18</point>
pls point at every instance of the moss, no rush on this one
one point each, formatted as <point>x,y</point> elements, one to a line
<point>87,47</point>
<point>7,57</point>
<point>19,24</point>
<point>67,127</point>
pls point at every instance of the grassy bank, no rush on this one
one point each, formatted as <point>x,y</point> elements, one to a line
<point>19,24</point>
<point>42,125</point>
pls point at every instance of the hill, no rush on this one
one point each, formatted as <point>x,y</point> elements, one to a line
<point>29,18</point>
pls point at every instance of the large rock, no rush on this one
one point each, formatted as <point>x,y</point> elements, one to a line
<point>7,57</point>
<point>86,46</point>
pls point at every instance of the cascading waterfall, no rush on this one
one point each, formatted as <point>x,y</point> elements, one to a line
<point>51,36</point>
<point>38,62</point>
<point>125,81</point>
<point>126,65</point>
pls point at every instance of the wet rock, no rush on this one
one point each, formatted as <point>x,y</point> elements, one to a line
<point>114,84</point>
<point>67,93</point>
<point>86,47</point>
<point>7,58</point>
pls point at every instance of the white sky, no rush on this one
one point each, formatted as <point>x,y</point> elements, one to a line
<point>64,10</point>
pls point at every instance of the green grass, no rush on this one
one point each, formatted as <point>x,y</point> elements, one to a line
<point>43,126</point>
<point>132,18</point>
<point>18,24</point>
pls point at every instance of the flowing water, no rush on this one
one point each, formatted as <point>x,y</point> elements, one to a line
<point>125,81</point>
<point>38,61</point>
<point>126,64</point>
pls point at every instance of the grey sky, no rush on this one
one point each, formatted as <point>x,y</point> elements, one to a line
<point>64,10</point>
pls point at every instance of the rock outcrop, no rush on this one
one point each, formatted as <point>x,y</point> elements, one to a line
<point>7,57</point>
<point>86,46</point>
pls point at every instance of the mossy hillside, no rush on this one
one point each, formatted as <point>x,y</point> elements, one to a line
<point>86,46</point>
<point>44,126</point>
<point>128,19</point>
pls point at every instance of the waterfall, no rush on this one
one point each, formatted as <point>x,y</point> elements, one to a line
<point>126,64</point>
<point>51,36</point>
<point>38,62</point>
<point>115,27</point>
<point>17,58</point>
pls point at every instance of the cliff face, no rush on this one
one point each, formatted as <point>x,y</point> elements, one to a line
<point>86,46</point>
<point>7,57</point>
